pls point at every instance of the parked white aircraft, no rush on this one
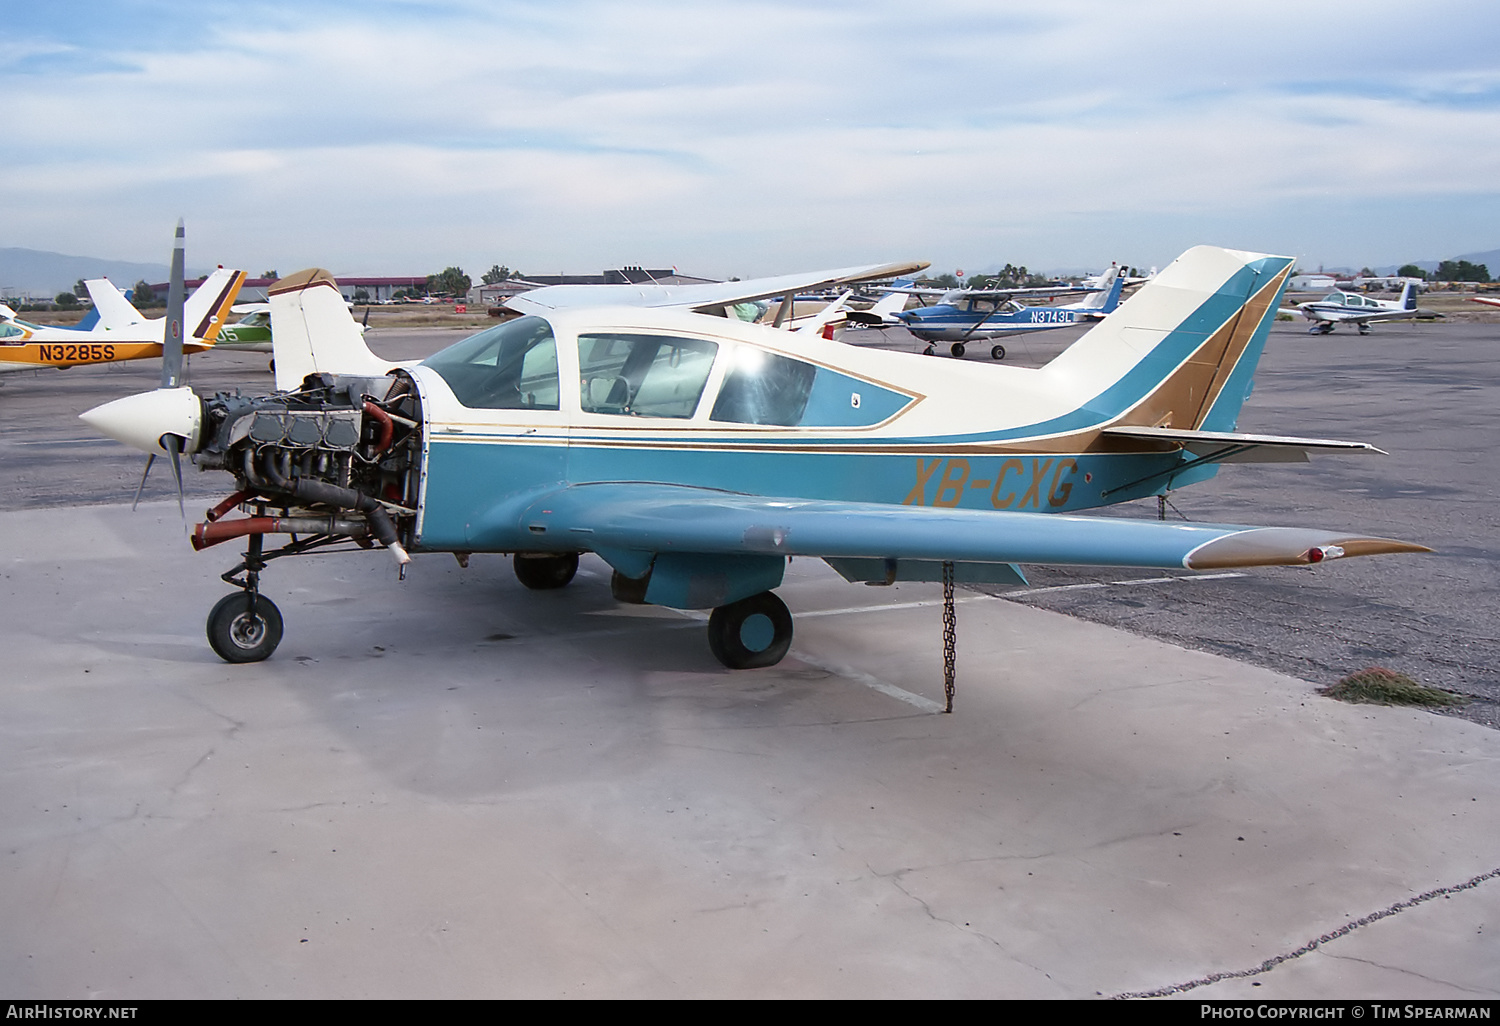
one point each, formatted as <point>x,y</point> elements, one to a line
<point>1352,308</point>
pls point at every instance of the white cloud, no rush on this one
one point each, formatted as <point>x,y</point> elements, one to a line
<point>748,138</point>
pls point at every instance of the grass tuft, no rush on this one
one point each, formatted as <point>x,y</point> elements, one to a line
<point>1379,686</point>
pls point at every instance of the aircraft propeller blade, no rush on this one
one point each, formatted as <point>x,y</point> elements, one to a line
<point>171,343</point>
<point>150,459</point>
<point>174,446</point>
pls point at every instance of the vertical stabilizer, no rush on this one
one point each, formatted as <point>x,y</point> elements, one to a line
<point>1182,351</point>
<point>114,310</point>
<point>313,332</point>
<point>208,308</point>
<point>1108,297</point>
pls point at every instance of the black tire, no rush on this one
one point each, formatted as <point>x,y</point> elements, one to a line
<point>543,571</point>
<point>238,637</point>
<point>957,350</point>
<point>929,351</point>
<point>752,632</point>
<point>997,352</point>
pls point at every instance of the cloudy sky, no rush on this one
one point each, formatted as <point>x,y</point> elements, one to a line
<point>748,138</point>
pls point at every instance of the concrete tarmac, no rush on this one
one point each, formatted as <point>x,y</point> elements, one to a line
<point>452,787</point>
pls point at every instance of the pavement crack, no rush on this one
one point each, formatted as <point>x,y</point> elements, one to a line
<point>894,877</point>
<point>1407,972</point>
<point>1313,945</point>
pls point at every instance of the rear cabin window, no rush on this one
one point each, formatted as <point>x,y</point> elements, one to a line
<point>509,367</point>
<point>763,388</point>
<point>643,375</point>
<point>767,389</point>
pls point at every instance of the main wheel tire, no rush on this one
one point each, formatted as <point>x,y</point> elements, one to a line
<point>237,636</point>
<point>543,571</point>
<point>752,632</point>
<point>997,352</point>
<point>957,350</point>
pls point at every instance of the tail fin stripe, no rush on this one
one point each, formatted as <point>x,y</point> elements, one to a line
<point>218,310</point>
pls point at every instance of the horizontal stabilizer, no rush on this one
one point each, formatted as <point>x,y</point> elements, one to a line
<point>1235,447</point>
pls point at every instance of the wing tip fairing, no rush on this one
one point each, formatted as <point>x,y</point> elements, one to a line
<point>1289,546</point>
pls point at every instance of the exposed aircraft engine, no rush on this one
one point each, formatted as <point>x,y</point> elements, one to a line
<point>331,459</point>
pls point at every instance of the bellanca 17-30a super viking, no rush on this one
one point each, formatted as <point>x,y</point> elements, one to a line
<point>695,453</point>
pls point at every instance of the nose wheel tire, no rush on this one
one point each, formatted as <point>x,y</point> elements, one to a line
<point>239,636</point>
<point>928,351</point>
<point>752,632</point>
<point>997,352</point>
<point>543,571</point>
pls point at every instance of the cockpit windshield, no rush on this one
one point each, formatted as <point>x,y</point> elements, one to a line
<point>509,367</point>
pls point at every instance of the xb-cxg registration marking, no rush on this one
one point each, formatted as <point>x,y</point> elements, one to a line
<point>1017,483</point>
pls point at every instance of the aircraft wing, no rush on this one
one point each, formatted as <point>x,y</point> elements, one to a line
<point>1235,447</point>
<point>617,520</point>
<point>1043,292</point>
<point>703,298</point>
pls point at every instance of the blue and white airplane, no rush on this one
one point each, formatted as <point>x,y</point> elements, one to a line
<point>1352,308</point>
<point>695,453</point>
<point>962,316</point>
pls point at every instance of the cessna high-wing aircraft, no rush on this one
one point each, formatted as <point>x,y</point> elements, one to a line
<point>696,453</point>
<point>119,332</point>
<point>964,315</point>
<point>1352,308</point>
<point>251,333</point>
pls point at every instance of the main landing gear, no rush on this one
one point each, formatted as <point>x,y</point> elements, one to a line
<point>753,632</point>
<point>544,571</point>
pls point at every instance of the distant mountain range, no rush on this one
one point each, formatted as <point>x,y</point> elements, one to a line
<point>32,272</point>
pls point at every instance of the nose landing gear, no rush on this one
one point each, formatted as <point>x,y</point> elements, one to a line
<point>245,627</point>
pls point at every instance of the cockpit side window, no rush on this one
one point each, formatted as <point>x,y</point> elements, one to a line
<point>509,367</point>
<point>643,375</point>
